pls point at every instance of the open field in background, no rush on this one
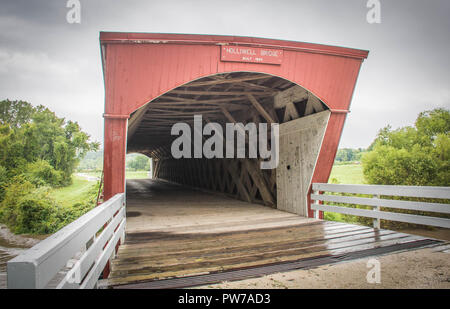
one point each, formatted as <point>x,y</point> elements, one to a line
<point>347,174</point>
<point>136,174</point>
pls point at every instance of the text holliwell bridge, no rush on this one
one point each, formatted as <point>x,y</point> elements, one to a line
<point>249,54</point>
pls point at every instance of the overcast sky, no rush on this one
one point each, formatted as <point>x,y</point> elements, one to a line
<point>45,60</point>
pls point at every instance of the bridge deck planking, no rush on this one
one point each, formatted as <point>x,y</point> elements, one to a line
<point>204,238</point>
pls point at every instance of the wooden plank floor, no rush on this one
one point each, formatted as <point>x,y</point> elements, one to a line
<point>174,232</point>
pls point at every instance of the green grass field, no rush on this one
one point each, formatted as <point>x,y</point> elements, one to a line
<point>136,174</point>
<point>79,189</point>
<point>76,192</point>
<point>347,174</point>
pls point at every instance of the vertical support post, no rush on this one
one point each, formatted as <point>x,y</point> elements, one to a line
<point>114,154</point>
<point>376,221</point>
<point>122,237</point>
<point>114,160</point>
<point>316,213</point>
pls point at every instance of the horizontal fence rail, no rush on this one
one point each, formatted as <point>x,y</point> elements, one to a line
<point>82,248</point>
<point>376,202</point>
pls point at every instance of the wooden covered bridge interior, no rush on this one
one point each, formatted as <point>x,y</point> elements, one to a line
<point>238,97</point>
<point>200,216</point>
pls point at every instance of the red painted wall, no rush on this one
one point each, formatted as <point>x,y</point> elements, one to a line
<point>139,67</point>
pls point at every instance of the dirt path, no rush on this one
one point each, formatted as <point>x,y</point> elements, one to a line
<point>424,268</point>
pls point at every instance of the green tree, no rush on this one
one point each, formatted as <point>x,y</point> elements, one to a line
<point>38,150</point>
<point>139,163</point>
<point>15,113</point>
<point>349,154</point>
<point>416,155</point>
<point>31,134</point>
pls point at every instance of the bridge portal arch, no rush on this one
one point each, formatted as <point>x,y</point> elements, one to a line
<point>305,87</point>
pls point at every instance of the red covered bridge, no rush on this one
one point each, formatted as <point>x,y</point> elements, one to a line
<point>155,80</point>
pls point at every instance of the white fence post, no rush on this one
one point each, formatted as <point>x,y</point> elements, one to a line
<point>377,221</point>
<point>316,212</point>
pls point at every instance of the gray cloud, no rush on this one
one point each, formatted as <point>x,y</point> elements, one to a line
<point>47,61</point>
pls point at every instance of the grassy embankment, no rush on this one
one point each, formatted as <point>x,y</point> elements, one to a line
<point>76,192</point>
<point>80,188</point>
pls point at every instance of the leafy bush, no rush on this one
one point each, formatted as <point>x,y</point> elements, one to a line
<point>36,214</point>
<point>392,166</point>
<point>3,181</point>
<point>30,210</point>
<point>41,173</point>
<point>17,189</point>
<point>418,155</point>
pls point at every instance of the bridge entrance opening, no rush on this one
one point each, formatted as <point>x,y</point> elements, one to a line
<point>230,99</point>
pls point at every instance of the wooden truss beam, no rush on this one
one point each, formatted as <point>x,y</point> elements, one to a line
<point>260,108</point>
<point>209,93</point>
<point>227,81</point>
<point>133,122</point>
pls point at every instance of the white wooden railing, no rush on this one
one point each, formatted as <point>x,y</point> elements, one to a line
<point>76,255</point>
<point>376,202</point>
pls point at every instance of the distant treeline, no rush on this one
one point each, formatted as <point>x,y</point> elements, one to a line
<point>349,155</point>
<point>93,161</point>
